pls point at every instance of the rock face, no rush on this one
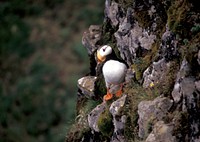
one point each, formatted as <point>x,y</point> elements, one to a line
<point>86,85</point>
<point>161,133</point>
<point>118,120</point>
<point>159,41</point>
<point>152,111</point>
<point>94,116</point>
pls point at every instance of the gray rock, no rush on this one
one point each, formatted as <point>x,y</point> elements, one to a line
<point>128,42</point>
<point>198,57</point>
<point>130,75</point>
<point>86,85</point>
<point>112,11</point>
<point>118,119</point>
<point>129,35</point>
<point>184,70</point>
<point>93,116</point>
<point>161,133</point>
<point>151,11</point>
<point>155,73</point>
<point>187,88</point>
<point>197,85</point>
<point>190,105</point>
<point>150,112</point>
<point>186,93</point>
<point>169,45</point>
<point>91,37</point>
<point>117,105</point>
<point>114,88</point>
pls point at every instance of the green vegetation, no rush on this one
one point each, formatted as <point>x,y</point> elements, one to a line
<point>190,52</point>
<point>136,93</point>
<point>105,124</point>
<point>100,87</point>
<point>180,119</point>
<point>41,58</point>
<point>141,63</point>
<point>176,13</point>
<point>195,28</point>
<point>78,131</point>
<point>183,21</point>
<point>143,18</point>
<point>166,85</point>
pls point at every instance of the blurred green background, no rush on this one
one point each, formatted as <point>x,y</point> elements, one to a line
<point>41,58</point>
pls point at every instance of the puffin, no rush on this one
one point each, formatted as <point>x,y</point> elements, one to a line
<point>114,71</point>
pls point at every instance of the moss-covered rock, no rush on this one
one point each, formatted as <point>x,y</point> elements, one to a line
<point>105,124</point>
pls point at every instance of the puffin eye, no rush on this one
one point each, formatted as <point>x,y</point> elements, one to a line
<point>104,50</point>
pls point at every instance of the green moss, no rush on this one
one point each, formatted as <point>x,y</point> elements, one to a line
<point>181,126</point>
<point>108,33</point>
<point>195,28</point>
<point>81,128</point>
<point>100,87</point>
<point>136,93</point>
<point>139,66</point>
<point>141,63</point>
<point>170,78</point>
<point>115,49</point>
<point>190,52</point>
<point>88,105</point>
<point>105,123</point>
<point>177,15</point>
<point>192,49</point>
<point>143,18</point>
<point>165,85</point>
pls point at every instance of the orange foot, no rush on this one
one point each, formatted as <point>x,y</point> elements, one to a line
<point>108,96</point>
<point>119,92</point>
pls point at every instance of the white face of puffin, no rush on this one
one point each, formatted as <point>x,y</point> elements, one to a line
<point>103,52</point>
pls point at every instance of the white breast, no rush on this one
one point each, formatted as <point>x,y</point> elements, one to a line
<point>114,72</point>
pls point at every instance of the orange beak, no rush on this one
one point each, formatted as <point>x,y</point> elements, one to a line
<point>100,58</point>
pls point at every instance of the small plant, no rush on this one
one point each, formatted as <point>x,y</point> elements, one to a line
<point>185,41</point>
<point>196,28</point>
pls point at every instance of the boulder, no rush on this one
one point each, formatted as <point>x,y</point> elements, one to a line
<point>161,133</point>
<point>151,112</point>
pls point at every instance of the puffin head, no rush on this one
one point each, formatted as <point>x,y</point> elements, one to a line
<point>103,52</point>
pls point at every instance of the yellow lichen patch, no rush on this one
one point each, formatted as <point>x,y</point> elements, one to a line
<point>151,85</point>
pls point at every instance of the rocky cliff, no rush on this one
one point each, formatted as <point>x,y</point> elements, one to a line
<point>159,41</point>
